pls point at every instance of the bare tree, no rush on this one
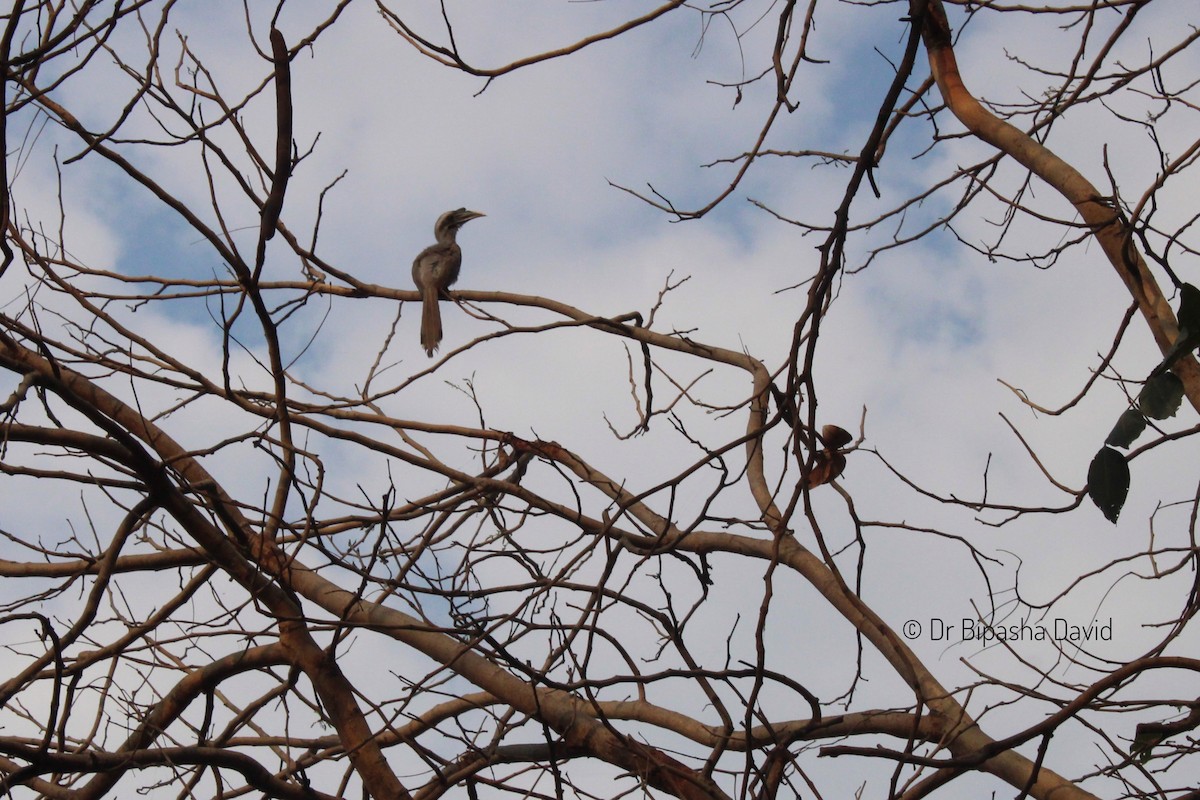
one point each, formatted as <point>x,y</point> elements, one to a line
<point>233,609</point>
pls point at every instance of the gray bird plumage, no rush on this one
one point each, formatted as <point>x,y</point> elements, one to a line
<point>435,269</point>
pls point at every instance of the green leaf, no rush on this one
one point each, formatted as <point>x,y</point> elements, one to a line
<point>1189,307</point>
<point>1189,328</point>
<point>1161,396</point>
<point>1108,482</point>
<point>1128,427</point>
<point>1144,742</point>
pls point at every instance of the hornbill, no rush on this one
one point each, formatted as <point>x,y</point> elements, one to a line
<point>435,269</point>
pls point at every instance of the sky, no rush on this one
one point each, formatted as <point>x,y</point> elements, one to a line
<point>914,346</point>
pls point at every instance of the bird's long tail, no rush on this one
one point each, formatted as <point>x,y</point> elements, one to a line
<point>431,321</point>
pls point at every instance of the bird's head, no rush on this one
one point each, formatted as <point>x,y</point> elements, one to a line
<point>449,223</point>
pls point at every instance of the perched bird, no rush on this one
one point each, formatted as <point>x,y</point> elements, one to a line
<point>435,269</point>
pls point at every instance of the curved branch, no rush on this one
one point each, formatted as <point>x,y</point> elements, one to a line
<point>1101,215</point>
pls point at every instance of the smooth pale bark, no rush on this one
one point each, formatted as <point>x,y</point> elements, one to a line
<point>1099,213</point>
